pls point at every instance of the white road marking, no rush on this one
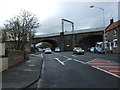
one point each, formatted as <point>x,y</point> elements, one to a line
<point>74,55</point>
<point>106,63</point>
<point>91,61</point>
<point>31,65</point>
<point>42,55</point>
<point>31,61</point>
<point>110,66</point>
<point>106,72</point>
<point>74,60</point>
<point>114,71</point>
<point>79,61</point>
<point>67,59</point>
<point>27,70</point>
<point>59,61</point>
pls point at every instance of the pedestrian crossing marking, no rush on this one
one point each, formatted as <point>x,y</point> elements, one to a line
<point>106,66</point>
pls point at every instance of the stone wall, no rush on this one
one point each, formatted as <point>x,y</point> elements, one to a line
<point>15,57</point>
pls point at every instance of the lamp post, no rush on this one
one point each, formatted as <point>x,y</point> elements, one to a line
<point>103,23</point>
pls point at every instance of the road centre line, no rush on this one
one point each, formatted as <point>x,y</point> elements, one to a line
<point>79,61</point>
<point>91,60</point>
<point>73,55</point>
<point>106,71</point>
<point>59,61</point>
<point>67,59</point>
<point>75,60</point>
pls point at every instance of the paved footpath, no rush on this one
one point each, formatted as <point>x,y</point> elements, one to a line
<point>107,66</point>
<point>22,74</point>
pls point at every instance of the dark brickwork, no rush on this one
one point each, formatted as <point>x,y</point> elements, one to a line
<point>65,42</point>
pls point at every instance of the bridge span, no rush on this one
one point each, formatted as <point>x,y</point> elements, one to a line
<point>84,38</point>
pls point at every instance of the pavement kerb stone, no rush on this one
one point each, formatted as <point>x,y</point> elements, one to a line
<point>25,84</point>
<point>38,77</point>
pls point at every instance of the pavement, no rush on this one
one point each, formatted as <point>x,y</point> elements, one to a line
<point>23,74</point>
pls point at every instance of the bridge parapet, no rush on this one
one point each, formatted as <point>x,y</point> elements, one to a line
<point>70,32</point>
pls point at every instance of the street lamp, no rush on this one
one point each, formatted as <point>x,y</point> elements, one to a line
<point>92,6</point>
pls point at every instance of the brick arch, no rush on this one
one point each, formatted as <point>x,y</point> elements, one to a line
<point>53,42</point>
<point>90,41</point>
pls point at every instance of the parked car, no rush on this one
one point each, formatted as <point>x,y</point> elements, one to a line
<point>57,49</point>
<point>48,51</point>
<point>99,50</point>
<point>92,49</point>
<point>78,50</point>
<point>40,49</point>
<point>43,49</point>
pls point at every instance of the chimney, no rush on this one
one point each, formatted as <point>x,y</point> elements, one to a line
<point>111,21</point>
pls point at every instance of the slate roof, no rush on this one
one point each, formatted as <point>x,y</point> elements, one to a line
<point>113,25</point>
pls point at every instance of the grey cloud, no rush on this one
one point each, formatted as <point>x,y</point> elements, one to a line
<point>81,14</point>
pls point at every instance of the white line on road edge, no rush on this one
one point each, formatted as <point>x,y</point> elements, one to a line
<point>42,73</point>
<point>79,61</point>
<point>59,61</point>
<point>106,72</point>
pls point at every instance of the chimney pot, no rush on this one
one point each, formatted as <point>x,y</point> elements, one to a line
<point>111,21</point>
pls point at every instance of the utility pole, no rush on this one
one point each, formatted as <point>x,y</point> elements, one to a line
<point>65,20</point>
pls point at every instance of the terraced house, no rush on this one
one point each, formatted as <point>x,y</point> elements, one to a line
<point>112,37</point>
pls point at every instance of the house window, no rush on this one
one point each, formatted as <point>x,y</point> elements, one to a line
<point>115,43</point>
<point>107,44</point>
<point>115,31</point>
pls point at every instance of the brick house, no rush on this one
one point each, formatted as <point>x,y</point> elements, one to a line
<point>112,37</point>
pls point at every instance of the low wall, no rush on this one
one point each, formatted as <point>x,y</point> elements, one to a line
<point>3,63</point>
<point>2,49</point>
<point>15,57</point>
<point>3,58</point>
<point>114,50</point>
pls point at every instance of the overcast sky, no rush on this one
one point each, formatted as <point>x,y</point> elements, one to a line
<point>50,13</point>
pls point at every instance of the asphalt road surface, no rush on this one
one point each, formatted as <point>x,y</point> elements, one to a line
<point>66,70</point>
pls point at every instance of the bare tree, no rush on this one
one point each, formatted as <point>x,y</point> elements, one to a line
<point>21,28</point>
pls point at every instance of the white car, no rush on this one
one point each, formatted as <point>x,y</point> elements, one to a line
<point>92,49</point>
<point>57,49</point>
<point>48,51</point>
<point>78,50</point>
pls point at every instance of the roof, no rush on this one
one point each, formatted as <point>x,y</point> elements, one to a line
<point>113,25</point>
